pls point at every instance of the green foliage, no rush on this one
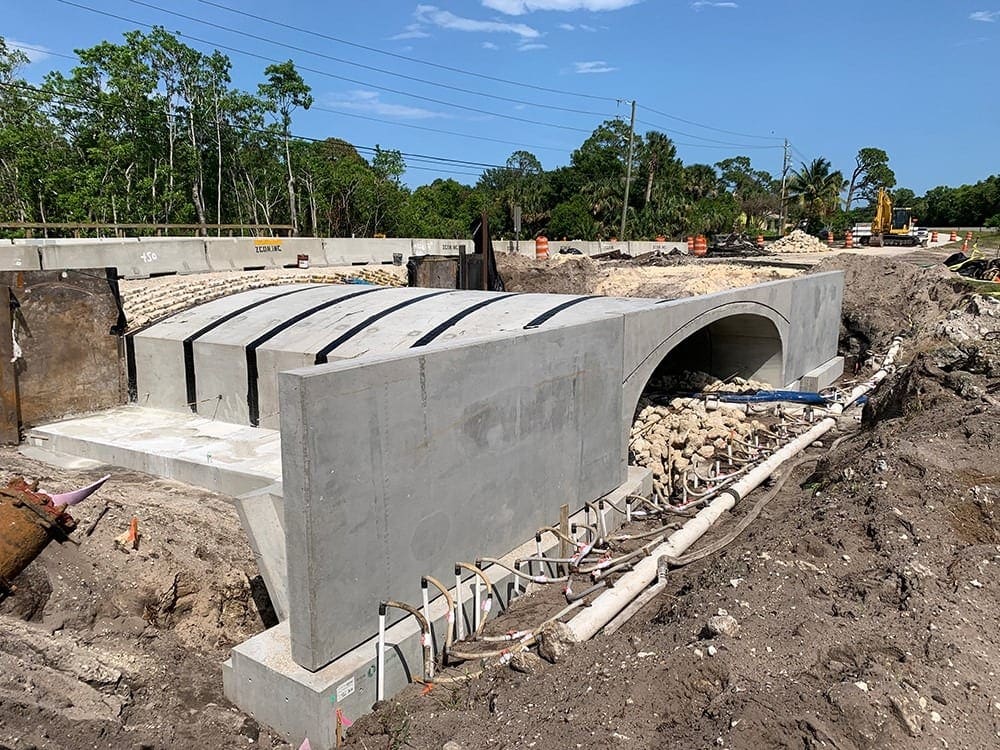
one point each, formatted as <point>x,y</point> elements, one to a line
<point>814,191</point>
<point>572,219</point>
<point>871,172</point>
<point>151,130</point>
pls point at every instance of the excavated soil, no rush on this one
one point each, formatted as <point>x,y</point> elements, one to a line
<point>662,278</point>
<point>865,594</point>
<point>103,647</point>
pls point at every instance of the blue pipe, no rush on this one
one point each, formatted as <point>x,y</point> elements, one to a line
<point>762,397</point>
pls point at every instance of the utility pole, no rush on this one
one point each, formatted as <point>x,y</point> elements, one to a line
<point>628,168</point>
<point>784,179</point>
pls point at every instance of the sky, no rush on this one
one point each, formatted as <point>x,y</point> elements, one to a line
<point>456,85</point>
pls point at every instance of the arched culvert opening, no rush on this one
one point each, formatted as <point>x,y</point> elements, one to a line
<point>688,444</point>
<point>746,346</point>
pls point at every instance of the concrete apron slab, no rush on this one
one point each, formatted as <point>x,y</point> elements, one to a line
<point>263,680</point>
<point>217,456</point>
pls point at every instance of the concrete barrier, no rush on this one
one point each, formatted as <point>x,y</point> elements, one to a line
<point>20,258</point>
<point>346,251</point>
<point>425,247</point>
<point>545,401</point>
<point>134,258</point>
<point>239,253</point>
<point>596,248</point>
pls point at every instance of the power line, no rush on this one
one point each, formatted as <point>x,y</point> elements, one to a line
<point>417,60</point>
<point>40,95</point>
<point>372,68</point>
<point>703,138</point>
<point>560,149</point>
<point>330,75</point>
<point>461,71</point>
<point>23,46</point>
<point>709,127</point>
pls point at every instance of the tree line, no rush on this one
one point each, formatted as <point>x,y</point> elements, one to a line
<point>152,131</point>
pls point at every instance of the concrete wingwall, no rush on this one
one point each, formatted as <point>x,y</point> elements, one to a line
<point>399,466</point>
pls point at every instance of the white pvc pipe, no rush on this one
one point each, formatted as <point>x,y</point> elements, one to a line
<point>590,621</point>
<point>476,606</point>
<point>427,612</point>
<point>459,609</point>
<point>380,656</point>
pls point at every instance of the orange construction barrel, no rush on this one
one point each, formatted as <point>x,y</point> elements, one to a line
<point>934,236</point>
<point>848,239</point>
<point>542,248</point>
<point>700,245</point>
<point>690,241</point>
<point>760,240</point>
<point>953,237</point>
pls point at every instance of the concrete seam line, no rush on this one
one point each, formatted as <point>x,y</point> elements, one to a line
<point>187,344</point>
<point>321,355</point>
<point>548,314</point>
<point>253,396</point>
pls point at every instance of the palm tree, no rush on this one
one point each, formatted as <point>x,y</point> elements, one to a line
<point>815,190</point>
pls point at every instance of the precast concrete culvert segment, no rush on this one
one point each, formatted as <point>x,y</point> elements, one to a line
<point>222,358</point>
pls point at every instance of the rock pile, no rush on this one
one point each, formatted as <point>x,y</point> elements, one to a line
<point>798,242</point>
<point>149,300</point>
<point>673,438</point>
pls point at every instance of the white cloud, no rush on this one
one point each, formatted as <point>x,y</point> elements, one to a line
<point>699,4</point>
<point>34,52</point>
<point>567,27</point>
<point>369,102</point>
<point>413,31</point>
<point>585,27</point>
<point>592,66</point>
<point>527,47</point>
<point>434,16</point>
<point>520,7</point>
<point>986,16</point>
<point>490,45</point>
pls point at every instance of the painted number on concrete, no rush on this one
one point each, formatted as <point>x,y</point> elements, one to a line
<point>148,257</point>
<point>345,689</point>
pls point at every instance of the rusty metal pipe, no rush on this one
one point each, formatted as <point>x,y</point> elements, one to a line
<point>28,522</point>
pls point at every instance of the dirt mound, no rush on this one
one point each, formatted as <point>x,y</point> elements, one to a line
<point>798,242</point>
<point>886,298</point>
<point>559,275</point>
<point>124,648</point>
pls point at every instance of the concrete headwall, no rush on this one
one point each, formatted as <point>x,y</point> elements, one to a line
<point>396,467</point>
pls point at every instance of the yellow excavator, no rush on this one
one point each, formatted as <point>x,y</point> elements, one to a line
<point>891,226</point>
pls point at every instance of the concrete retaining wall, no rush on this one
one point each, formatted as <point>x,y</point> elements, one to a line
<point>395,467</point>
